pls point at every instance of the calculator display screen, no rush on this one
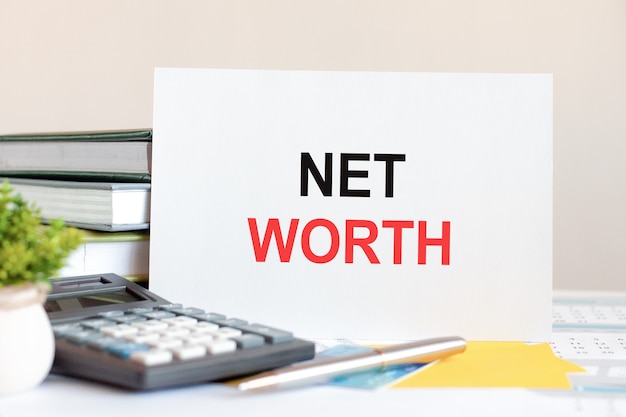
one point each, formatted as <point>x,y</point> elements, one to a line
<point>73,298</point>
<point>97,299</point>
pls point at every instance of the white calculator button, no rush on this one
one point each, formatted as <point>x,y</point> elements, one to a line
<point>175,332</point>
<point>166,343</point>
<point>120,330</point>
<point>187,352</point>
<point>152,357</point>
<point>198,338</point>
<point>217,346</point>
<point>204,327</point>
<point>97,323</point>
<point>143,337</point>
<point>182,321</point>
<point>226,332</point>
<point>151,325</point>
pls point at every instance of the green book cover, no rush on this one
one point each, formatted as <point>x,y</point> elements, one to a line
<point>92,136</point>
<point>95,236</point>
<point>81,176</point>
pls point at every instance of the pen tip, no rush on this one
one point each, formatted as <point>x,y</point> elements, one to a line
<point>257,383</point>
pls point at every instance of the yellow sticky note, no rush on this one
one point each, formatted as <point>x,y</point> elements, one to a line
<point>497,364</point>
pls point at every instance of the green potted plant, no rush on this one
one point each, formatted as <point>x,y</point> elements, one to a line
<point>30,254</point>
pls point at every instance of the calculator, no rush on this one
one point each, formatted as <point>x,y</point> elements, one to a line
<point>111,330</point>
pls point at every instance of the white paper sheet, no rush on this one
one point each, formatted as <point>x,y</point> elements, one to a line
<point>473,193</point>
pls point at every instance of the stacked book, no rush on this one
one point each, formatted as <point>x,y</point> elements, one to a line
<point>98,182</point>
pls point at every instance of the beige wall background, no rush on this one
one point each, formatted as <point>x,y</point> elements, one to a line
<point>84,65</point>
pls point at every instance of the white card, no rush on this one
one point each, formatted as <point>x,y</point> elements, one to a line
<point>437,218</point>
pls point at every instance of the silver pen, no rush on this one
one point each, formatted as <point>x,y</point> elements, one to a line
<point>314,371</point>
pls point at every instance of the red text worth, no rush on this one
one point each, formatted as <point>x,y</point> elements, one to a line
<point>366,230</point>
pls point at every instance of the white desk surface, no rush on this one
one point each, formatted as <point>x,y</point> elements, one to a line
<point>60,396</point>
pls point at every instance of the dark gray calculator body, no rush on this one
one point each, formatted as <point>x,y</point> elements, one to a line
<point>111,330</point>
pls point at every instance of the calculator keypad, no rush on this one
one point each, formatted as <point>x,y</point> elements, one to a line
<point>158,336</point>
<point>114,331</point>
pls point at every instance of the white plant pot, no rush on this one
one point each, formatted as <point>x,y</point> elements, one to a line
<point>26,338</point>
